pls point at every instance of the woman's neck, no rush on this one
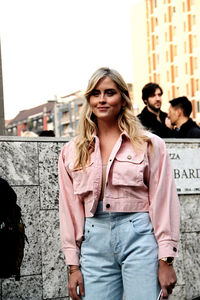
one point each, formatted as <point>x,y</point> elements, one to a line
<point>108,130</point>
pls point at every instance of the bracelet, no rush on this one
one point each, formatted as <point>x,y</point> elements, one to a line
<point>74,270</point>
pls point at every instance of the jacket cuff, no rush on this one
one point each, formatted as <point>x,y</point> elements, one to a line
<point>168,249</point>
<point>71,257</point>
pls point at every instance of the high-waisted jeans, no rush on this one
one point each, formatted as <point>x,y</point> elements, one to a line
<point>119,255</point>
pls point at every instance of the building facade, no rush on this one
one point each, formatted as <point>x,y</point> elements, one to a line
<point>60,116</point>
<point>67,113</point>
<point>36,119</point>
<point>168,45</point>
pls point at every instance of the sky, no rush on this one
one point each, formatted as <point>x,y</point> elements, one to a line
<point>52,47</point>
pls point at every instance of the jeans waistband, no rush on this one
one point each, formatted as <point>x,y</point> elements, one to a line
<point>100,213</point>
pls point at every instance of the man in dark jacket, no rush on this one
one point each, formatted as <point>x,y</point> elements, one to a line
<point>152,117</point>
<point>179,115</point>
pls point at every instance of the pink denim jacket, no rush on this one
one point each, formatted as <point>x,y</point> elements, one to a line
<point>135,182</point>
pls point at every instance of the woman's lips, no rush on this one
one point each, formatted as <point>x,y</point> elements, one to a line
<point>102,108</point>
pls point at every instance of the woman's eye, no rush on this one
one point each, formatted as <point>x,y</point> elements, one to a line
<point>110,92</point>
<point>94,93</point>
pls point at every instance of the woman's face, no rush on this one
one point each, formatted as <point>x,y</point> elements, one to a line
<point>105,100</point>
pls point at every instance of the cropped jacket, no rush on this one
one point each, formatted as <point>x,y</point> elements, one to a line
<point>136,181</point>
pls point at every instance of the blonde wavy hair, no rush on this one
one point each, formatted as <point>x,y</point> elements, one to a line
<point>87,127</point>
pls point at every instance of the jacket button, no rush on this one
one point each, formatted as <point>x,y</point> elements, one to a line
<point>129,157</point>
<point>174,249</point>
<point>108,205</point>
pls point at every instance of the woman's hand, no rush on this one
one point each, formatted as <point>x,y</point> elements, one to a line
<point>167,278</point>
<point>75,280</point>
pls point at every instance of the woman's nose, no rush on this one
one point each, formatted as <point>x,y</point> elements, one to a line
<point>102,97</point>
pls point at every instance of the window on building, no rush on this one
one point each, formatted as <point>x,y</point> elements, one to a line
<point>176,71</point>
<point>149,62</point>
<point>187,89</point>
<point>186,68</point>
<point>168,76</point>
<point>194,41</point>
<point>183,6</point>
<point>157,40</point>
<point>198,106</point>
<point>184,26</point>
<point>174,31</point>
<point>157,59</point>
<point>193,20</point>
<point>155,4</point>
<point>175,50</point>
<point>166,37</point>
<point>185,47</point>
<point>167,56</point>
<point>195,62</point>
<point>177,91</point>
<point>197,85</point>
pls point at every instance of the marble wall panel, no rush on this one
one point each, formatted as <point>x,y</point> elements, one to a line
<point>19,162</point>
<point>178,293</point>
<point>28,288</point>
<point>178,265</point>
<point>31,167</point>
<point>28,200</point>
<point>48,173</point>
<point>54,270</point>
<point>192,264</point>
<point>190,212</point>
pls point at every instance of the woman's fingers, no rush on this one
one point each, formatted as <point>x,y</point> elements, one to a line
<point>75,281</point>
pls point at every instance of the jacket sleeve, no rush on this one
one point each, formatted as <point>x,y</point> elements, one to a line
<point>71,212</point>
<point>164,204</point>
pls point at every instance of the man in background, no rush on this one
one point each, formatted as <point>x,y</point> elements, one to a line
<point>179,115</point>
<point>152,117</point>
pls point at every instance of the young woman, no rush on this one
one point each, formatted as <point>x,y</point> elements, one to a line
<point>119,211</point>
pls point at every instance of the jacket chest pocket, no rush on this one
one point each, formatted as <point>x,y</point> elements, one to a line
<point>83,179</point>
<point>128,170</point>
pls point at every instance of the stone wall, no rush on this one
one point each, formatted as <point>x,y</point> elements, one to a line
<point>30,166</point>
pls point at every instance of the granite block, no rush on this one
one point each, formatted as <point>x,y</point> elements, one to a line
<point>48,175</point>
<point>179,263</point>
<point>28,288</point>
<point>54,270</point>
<point>60,146</point>
<point>191,264</point>
<point>28,200</point>
<point>178,293</point>
<point>19,162</point>
<point>190,212</point>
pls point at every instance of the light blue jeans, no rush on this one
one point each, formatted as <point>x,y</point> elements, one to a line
<point>119,255</point>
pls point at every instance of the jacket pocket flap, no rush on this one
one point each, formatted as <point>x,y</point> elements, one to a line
<point>130,157</point>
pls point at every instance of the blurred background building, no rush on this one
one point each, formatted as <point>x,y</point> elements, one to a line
<point>166,49</point>
<point>60,115</point>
